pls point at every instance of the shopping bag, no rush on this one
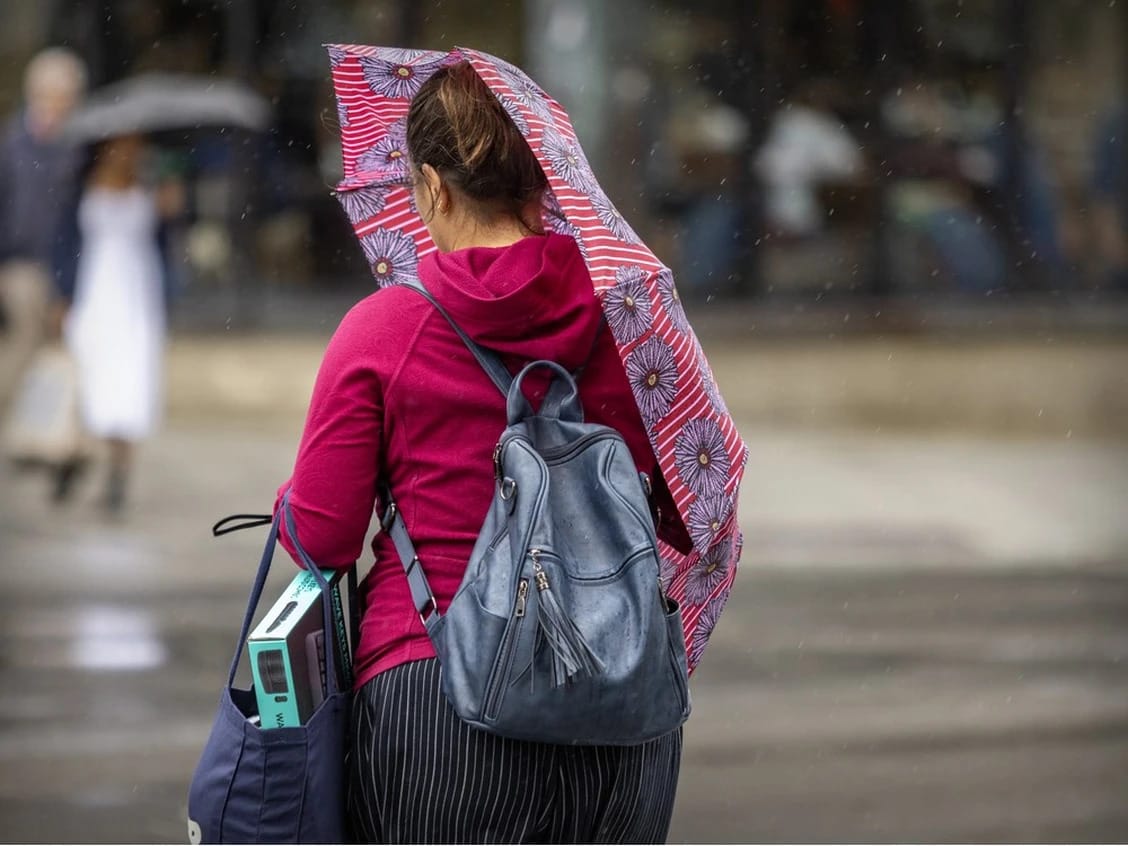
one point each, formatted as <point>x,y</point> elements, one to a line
<point>273,785</point>
<point>43,424</point>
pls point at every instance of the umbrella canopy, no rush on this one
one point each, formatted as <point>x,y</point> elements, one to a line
<point>699,450</point>
<point>163,102</point>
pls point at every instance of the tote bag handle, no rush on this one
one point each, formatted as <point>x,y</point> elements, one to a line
<point>284,513</point>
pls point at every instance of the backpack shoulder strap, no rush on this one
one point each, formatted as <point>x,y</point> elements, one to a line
<point>497,371</point>
<point>422,597</point>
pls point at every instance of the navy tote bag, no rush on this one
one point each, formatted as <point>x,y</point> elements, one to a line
<point>279,785</point>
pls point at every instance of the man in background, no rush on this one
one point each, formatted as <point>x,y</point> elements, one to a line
<point>37,170</point>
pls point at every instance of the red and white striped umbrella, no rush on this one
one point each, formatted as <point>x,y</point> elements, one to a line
<point>701,454</point>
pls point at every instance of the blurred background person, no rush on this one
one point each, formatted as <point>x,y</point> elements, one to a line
<point>37,169</point>
<point>807,146</point>
<point>112,274</point>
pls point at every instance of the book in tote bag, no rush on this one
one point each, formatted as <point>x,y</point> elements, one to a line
<point>273,785</point>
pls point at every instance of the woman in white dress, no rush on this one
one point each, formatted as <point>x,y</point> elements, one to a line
<point>116,324</point>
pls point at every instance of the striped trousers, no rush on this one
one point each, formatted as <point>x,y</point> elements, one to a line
<point>419,774</point>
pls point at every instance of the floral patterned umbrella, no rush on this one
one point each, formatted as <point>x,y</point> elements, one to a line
<point>701,454</point>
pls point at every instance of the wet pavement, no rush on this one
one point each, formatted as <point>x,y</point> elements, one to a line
<point>929,641</point>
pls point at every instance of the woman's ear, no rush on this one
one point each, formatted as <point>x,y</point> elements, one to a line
<point>433,184</point>
<point>430,176</point>
<point>427,188</point>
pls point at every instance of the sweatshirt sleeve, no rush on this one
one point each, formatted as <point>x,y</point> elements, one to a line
<point>333,487</point>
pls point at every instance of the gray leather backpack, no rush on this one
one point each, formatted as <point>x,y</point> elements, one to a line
<point>560,632</point>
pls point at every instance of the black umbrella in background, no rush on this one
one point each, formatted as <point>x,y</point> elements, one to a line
<point>158,102</point>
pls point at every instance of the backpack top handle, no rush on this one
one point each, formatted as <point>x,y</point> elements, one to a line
<point>562,401</point>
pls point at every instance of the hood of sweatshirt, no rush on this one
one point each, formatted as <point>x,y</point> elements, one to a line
<point>532,299</point>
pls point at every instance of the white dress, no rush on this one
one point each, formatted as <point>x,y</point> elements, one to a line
<point>116,325</point>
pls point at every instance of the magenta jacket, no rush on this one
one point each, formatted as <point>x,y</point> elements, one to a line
<point>399,397</point>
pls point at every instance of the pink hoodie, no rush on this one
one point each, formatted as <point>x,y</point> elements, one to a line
<point>399,397</point>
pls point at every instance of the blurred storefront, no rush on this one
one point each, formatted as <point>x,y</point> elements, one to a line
<point>943,147</point>
<point>768,148</point>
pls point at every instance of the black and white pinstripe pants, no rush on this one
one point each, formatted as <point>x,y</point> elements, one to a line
<point>419,774</point>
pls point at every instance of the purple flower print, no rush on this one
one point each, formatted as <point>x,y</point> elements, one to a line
<point>398,80</point>
<point>389,153</point>
<point>400,55</point>
<point>552,206</point>
<point>527,92</point>
<point>552,214</point>
<point>554,219</point>
<point>708,572</point>
<point>611,218</point>
<point>568,162</point>
<point>336,56</point>
<point>627,305</point>
<point>671,302</point>
<point>391,254</point>
<point>707,515</point>
<point>507,69</point>
<point>701,457</point>
<point>362,204</point>
<point>342,113</point>
<point>515,113</point>
<point>706,623</point>
<point>653,375</point>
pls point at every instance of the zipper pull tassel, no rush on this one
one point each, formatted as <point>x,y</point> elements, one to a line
<point>570,655</point>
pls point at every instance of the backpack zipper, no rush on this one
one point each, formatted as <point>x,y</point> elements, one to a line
<point>538,571</point>
<point>557,454</point>
<point>508,650</point>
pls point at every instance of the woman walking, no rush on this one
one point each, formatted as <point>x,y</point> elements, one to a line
<point>400,400</point>
<point>115,326</point>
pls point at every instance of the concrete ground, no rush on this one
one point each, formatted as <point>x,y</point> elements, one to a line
<point>928,640</point>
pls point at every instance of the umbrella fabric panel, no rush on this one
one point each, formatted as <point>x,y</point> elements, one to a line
<point>698,448</point>
<point>375,189</point>
<point>708,579</point>
<point>374,130</point>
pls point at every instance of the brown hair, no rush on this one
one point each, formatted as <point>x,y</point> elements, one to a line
<point>459,127</point>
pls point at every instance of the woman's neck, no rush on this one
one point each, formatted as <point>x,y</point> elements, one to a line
<point>502,234</point>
